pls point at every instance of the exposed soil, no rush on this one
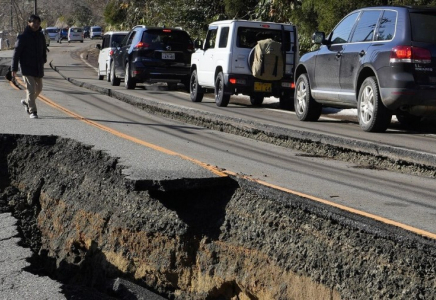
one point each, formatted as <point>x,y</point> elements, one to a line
<point>231,240</point>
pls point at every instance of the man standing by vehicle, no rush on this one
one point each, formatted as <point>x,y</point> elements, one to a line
<point>31,52</point>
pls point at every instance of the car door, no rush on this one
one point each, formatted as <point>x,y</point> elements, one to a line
<point>123,54</point>
<point>326,85</point>
<point>104,54</point>
<point>206,63</point>
<point>355,52</point>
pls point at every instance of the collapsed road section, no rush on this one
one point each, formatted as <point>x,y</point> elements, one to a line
<point>220,239</point>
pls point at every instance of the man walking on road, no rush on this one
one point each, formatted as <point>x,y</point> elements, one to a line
<point>31,52</point>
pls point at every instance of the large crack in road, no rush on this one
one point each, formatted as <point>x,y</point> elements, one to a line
<point>89,225</point>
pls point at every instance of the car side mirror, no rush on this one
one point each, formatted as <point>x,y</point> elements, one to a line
<point>98,46</point>
<point>198,44</point>
<point>318,37</point>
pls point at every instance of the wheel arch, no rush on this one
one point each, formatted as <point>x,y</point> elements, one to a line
<point>364,73</point>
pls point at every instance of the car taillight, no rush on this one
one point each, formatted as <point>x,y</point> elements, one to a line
<point>409,54</point>
<point>142,45</point>
<point>190,47</point>
<point>111,52</point>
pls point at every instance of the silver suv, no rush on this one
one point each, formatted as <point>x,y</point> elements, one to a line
<point>224,62</point>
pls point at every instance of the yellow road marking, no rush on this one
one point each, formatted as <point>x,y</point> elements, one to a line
<point>225,173</point>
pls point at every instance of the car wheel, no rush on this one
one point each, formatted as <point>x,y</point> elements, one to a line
<point>408,120</point>
<point>108,73</point>
<point>256,99</point>
<point>221,99</point>
<point>306,108</point>
<point>100,77</point>
<point>115,81</point>
<point>129,82</point>
<point>287,100</point>
<point>373,115</point>
<point>195,91</point>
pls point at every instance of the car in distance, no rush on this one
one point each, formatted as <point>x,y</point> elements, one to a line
<point>110,41</point>
<point>380,60</point>
<point>75,34</point>
<point>52,32</point>
<point>153,54</point>
<point>95,32</point>
<point>46,36</point>
<point>226,62</point>
<point>62,35</point>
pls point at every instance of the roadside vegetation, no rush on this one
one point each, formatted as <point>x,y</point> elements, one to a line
<point>191,15</point>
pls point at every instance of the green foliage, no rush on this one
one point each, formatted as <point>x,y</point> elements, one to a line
<point>114,13</point>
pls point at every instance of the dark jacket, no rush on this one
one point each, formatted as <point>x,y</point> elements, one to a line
<point>30,52</point>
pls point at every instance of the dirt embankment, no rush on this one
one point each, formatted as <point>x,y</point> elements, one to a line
<point>229,240</point>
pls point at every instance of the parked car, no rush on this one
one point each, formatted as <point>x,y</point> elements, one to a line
<point>62,35</point>
<point>380,60</point>
<point>47,37</point>
<point>111,40</point>
<point>153,54</point>
<point>224,62</point>
<point>95,32</point>
<point>75,34</point>
<point>52,33</point>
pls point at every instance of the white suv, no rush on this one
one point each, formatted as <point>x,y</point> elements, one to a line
<point>111,40</point>
<point>224,62</point>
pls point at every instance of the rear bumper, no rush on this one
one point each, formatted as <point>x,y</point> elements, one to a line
<point>394,98</point>
<point>160,74</point>
<point>244,84</point>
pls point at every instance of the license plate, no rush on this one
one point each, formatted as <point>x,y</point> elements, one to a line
<point>262,87</point>
<point>168,56</point>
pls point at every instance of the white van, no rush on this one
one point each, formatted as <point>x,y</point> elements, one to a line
<point>95,32</point>
<point>75,34</point>
<point>52,32</point>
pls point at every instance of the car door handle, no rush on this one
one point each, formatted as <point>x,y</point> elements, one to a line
<point>362,53</point>
<point>338,54</point>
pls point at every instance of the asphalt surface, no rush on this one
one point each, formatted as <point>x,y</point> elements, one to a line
<point>146,163</point>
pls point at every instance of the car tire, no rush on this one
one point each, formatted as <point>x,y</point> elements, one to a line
<point>372,114</point>
<point>108,73</point>
<point>287,100</point>
<point>221,99</point>
<point>306,108</point>
<point>195,90</point>
<point>100,77</point>
<point>129,82</point>
<point>256,99</point>
<point>115,81</point>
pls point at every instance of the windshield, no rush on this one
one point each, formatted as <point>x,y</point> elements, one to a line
<point>52,30</point>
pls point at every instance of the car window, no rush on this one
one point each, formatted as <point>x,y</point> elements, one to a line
<point>422,25</point>
<point>130,38</point>
<point>342,31</point>
<point>211,38</point>
<point>366,26</point>
<point>248,37</point>
<point>224,35</point>
<point>105,42</point>
<point>117,39</point>
<point>167,39</point>
<point>386,29</point>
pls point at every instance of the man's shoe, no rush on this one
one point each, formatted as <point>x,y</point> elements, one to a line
<point>33,115</point>
<point>26,106</point>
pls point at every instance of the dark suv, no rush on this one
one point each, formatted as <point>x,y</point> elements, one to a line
<point>380,60</point>
<point>153,54</point>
